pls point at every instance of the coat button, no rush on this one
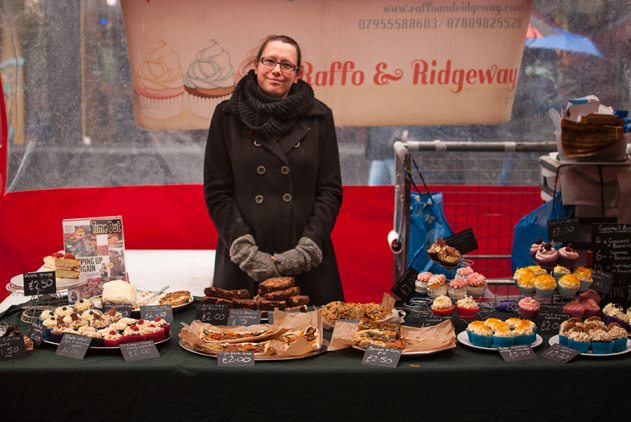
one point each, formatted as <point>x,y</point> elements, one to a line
<point>259,199</point>
<point>261,170</point>
<point>297,145</point>
<point>257,144</point>
<point>287,197</point>
<point>284,170</point>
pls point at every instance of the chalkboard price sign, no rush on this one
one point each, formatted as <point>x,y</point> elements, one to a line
<point>141,350</point>
<point>213,313</point>
<point>517,353</point>
<point>564,230</point>
<point>124,308</point>
<point>558,353</point>
<point>602,281</point>
<point>244,317</point>
<point>36,333</point>
<point>405,287</point>
<point>550,321</point>
<point>429,319</point>
<point>12,348</point>
<point>157,311</point>
<point>40,283</point>
<point>238,359</point>
<point>464,241</point>
<point>381,356</point>
<point>73,346</point>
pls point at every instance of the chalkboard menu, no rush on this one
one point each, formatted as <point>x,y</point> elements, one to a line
<point>564,230</point>
<point>464,241</point>
<point>405,287</point>
<point>611,248</point>
<point>43,282</point>
<point>213,313</point>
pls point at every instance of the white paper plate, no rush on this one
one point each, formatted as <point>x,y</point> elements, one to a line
<point>464,339</point>
<point>17,282</point>
<point>555,340</point>
<point>256,358</point>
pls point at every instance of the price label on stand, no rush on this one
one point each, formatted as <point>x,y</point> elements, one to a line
<point>558,353</point>
<point>236,359</point>
<point>124,308</point>
<point>464,241</point>
<point>213,313</point>
<point>141,350</point>
<point>428,320</point>
<point>12,348</point>
<point>244,317</point>
<point>517,353</point>
<point>564,230</point>
<point>381,356</point>
<point>73,346</point>
<point>405,287</point>
<point>36,334</point>
<point>157,311</point>
<point>602,281</point>
<point>40,283</point>
<point>550,321</point>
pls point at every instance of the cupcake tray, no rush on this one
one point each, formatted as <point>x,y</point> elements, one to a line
<point>321,350</point>
<point>555,340</point>
<point>464,339</point>
<point>53,343</point>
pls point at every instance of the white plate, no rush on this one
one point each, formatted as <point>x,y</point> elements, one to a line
<point>555,340</point>
<point>110,347</point>
<point>464,339</point>
<point>256,358</point>
<point>408,353</point>
<point>96,300</point>
<point>17,282</point>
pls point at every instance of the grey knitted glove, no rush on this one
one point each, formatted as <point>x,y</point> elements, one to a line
<point>258,265</point>
<point>303,258</point>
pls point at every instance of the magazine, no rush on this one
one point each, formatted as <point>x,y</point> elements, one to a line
<point>98,243</point>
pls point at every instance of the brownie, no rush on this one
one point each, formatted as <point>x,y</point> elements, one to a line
<point>244,303</point>
<point>298,300</point>
<point>269,305</point>
<point>212,299</point>
<point>274,284</point>
<point>227,294</point>
<point>282,294</point>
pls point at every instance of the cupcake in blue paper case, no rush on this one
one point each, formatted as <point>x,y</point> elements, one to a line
<point>492,323</point>
<point>578,339</point>
<point>602,341</point>
<point>619,336</point>
<point>559,271</point>
<point>545,285</point>
<point>513,322</point>
<point>503,335</point>
<point>585,277</point>
<point>525,332</point>
<point>565,328</point>
<point>568,285</point>
<point>479,334</point>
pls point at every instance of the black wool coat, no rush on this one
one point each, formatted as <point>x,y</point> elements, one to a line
<point>277,190</point>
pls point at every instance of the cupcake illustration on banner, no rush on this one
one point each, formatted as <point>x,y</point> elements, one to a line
<point>159,83</point>
<point>209,79</point>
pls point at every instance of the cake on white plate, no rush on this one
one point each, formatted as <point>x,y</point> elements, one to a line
<point>119,291</point>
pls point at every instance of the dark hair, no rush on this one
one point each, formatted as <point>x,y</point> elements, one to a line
<point>284,38</point>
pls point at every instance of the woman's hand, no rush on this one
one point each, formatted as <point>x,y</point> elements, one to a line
<point>258,265</point>
<point>303,258</point>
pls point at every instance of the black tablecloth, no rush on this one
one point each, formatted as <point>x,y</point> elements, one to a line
<point>462,384</point>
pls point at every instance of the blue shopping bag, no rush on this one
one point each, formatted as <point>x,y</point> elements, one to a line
<point>533,226</point>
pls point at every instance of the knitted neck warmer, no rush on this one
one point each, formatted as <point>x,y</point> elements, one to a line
<point>270,116</point>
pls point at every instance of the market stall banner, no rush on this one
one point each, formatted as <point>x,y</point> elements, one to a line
<point>373,62</point>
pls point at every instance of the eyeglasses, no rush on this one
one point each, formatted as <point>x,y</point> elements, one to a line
<point>284,66</point>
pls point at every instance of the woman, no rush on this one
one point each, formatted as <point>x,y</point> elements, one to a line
<point>272,179</point>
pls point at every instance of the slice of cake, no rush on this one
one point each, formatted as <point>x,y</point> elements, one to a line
<point>64,265</point>
<point>119,291</point>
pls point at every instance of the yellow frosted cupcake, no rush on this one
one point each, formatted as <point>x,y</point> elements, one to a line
<point>545,285</point>
<point>568,285</point>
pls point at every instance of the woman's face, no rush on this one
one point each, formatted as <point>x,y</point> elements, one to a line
<point>274,81</point>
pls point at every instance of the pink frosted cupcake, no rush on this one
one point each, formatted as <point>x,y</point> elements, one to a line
<point>535,247</point>
<point>464,272</point>
<point>457,288</point>
<point>574,309</point>
<point>421,282</point>
<point>476,284</point>
<point>437,285</point>
<point>568,256</point>
<point>546,256</point>
<point>528,307</point>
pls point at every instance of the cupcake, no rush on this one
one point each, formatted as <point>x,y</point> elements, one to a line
<point>545,285</point>
<point>442,305</point>
<point>591,307</point>
<point>82,305</point>
<point>436,285</point>
<point>590,294</point>
<point>574,309</point>
<point>546,256</point>
<point>97,340</point>
<point>421,282</point>
<point>467,308</point>
<point>568,285</point>
<point>619,336</point>
<point>476,284</point>
<point>602,341</point>
<point>209,79</point>
<point>578,339</point>
<point>513,322</point>
<point>585,277</point>
<point>479,335</point>
<point>112,338</point>
<point>615,313</point>
<point>503,336</point>
<point>46,314</point>
<point>537,270</point>
<point>464,272</point>
<point>525,332</point>
<point>492,323</point>
<point>163,324</point>
<point>528,307</point>
<point>132,334</point>
<point>526,281</point>
<point>457,288</point>
<point>567,256</point>
<point>559,271</point>
<point>594,323</point>
<point>535,247</point>
<point>62,311</point>
<point>158,83</point>
<point>565,328</point>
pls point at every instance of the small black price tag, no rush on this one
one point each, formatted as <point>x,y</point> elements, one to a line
<point>517,353</point>
<point>558,353</point>
<point>141,350</point>
<point>381,356</point>
<point>213,313</point>
<point>124,308</point>
<point>564,230</point>
<point>36,333</point>
<point>464,241</point>
<point>404,287</point>
<point>602,281</point>
<point>241,359</point>
<point>550,321</point>
<point>244,317</point>
<point>12,348</point>
<point>73,346</point>
<point>40,283</point>
<point>157,311</point>
<point>428,320</point>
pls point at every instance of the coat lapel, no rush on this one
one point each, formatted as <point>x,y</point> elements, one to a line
<point>294,136</point>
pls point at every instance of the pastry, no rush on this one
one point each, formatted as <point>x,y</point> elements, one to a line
<point>435,249</point>
<point>449,257</point>
<point>245,304</point>
<point>298,300</point>
<point>119,291</point>
<point>270,305</point>
<point>212,299</point>
<point>274,284</point>
<point>177,298</point>
<point>378,334</point>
